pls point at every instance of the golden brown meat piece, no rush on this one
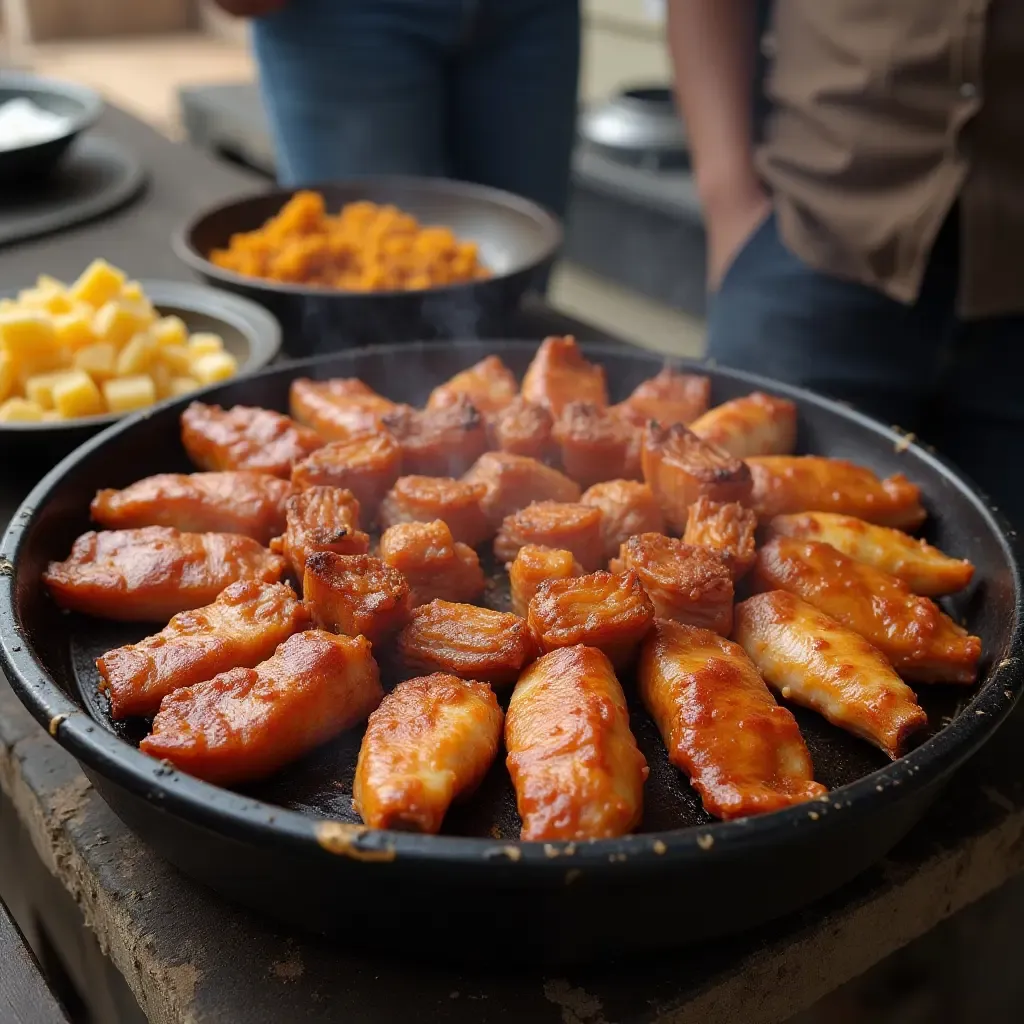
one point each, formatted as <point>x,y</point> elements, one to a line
<point>367,466</point>
<point>807,483</point>
<point>534,565</point>
<point>247,723</point>
<point>357,595</point>
<point>568,526</point>
<point>338,409</point>
<point>251,504</point>
<point>925,569</point>
<point>320,519</point>
<point>577,771</point>
<point>148,575</point>
<point>433,562</point>
<point>595,445</point>
<point>920,641</point>
<point>742,752</point>
<point>242,627</point>
<point>467,641</point>
<point>244,438</point>
<point>439,442</point>
<point>757,424</point>
<point>685,583</point>
<point>514,481</point>
<point>628,507</point>
<point>560,374</point>
<point>612,613</point>
<point>422,499</point>
<point>728,529</point>
<point>679,467</point>
<point>490,385</point>
<point>814,661</point>
<point>670,397</point>
<point>431,742</point>
<point>523,428</point>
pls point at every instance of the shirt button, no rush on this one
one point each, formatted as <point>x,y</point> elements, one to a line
<point>968,91</point>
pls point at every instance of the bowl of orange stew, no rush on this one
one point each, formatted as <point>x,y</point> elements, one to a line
<point>376,260</point>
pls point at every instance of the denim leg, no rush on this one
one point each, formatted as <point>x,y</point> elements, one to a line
<point>355,87</point>
<point>513,98</point>
<point>776,316</point>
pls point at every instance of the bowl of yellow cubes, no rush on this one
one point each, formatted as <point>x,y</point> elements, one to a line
<point>76,357</point>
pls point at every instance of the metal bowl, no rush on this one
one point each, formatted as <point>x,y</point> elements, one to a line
<point>77,104</point>
<point>638,126</point>
<point>518,241</point>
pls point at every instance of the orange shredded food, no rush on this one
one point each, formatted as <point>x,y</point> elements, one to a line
<point>364,248</point>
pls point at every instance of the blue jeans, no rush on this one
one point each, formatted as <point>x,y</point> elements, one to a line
<point>958,385</point>
<point>480,90</point>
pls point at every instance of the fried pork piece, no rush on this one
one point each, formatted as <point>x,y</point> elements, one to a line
<point>534,565</point>
<point>808,483</point>
<point>920,641</point>
<point>742,752</point>
<point>320,519</point>
<point>433,562</point>
<point>628,507</point>
<point>245,724</point>
<point>467,641</point>
<point>439,442</point>
<point>817,663</point>
<point>148,575</point>
<point>431,742</point>
<point>670,397</point>
<point>559,374</point>
<point>514,481</point>
<point>338,409</point>
<point>422,499</point>
<point>575,765</point>
<point>242,627</point>
<point>595,445</point>
<point>757,424</point>
<point>679,467</point>
<point>685,583</point>
<point>726,528</point>
<point>490,385</point>
<point>612,613</point>
<point>565,525</point>
<point>248,503</point>
<point>523,428</point>
<point>367,466</point>
<point>357,595</point>
<point>926,570</point>
<point>244,438</point>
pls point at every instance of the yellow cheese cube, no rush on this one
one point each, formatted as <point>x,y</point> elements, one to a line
<point>72,330</point>
<point>98,284</point>
<point>213,367</point>
<point>136,356</point>
<point>98,360</point>
<point>203,343</point>
<point>162,377</point>
<point>125,394</point>
<point>176,358</point>
<point>6,305</point>
<point>76,394</point>
<point>118,321</point>
<point>51,416</point>
<point>39,388</point>
<point>46,360</point>
<point>20,410</point>
<point>26,334</point>
<point>57,304</point>
<point>8,374</point>
<point>170,330</point>
<point>132,291</point>
<point>182,386</point>
<point>45,283</point>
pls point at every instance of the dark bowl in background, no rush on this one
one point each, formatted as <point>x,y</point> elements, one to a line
<point>79,105</point>
<point>518,241</point>
<point>248,331</point>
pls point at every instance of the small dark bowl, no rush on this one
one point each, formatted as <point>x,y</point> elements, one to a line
<point>79,105</point>
<point>249,333</point>
<point>517,238</point>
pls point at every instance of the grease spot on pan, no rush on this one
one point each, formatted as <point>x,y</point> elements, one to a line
<point>342,839</point>
<point>55,723</point>
<point>659,847</point>
<point>705,841</point>
<point>512,853</point>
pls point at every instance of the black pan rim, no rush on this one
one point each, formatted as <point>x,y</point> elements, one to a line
<point>247,819</point>
<point>185,249</point>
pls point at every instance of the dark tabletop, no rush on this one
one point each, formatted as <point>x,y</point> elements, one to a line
<point>191,959</point>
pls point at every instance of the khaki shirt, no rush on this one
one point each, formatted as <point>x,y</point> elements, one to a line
<point>885,112</point>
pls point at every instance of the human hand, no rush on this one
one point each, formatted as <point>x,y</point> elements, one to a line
<point>250,8</point>
<point>730,223</point>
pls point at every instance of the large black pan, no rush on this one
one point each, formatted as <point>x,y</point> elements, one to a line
<point>517,239</point>
<point>291,847</point>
